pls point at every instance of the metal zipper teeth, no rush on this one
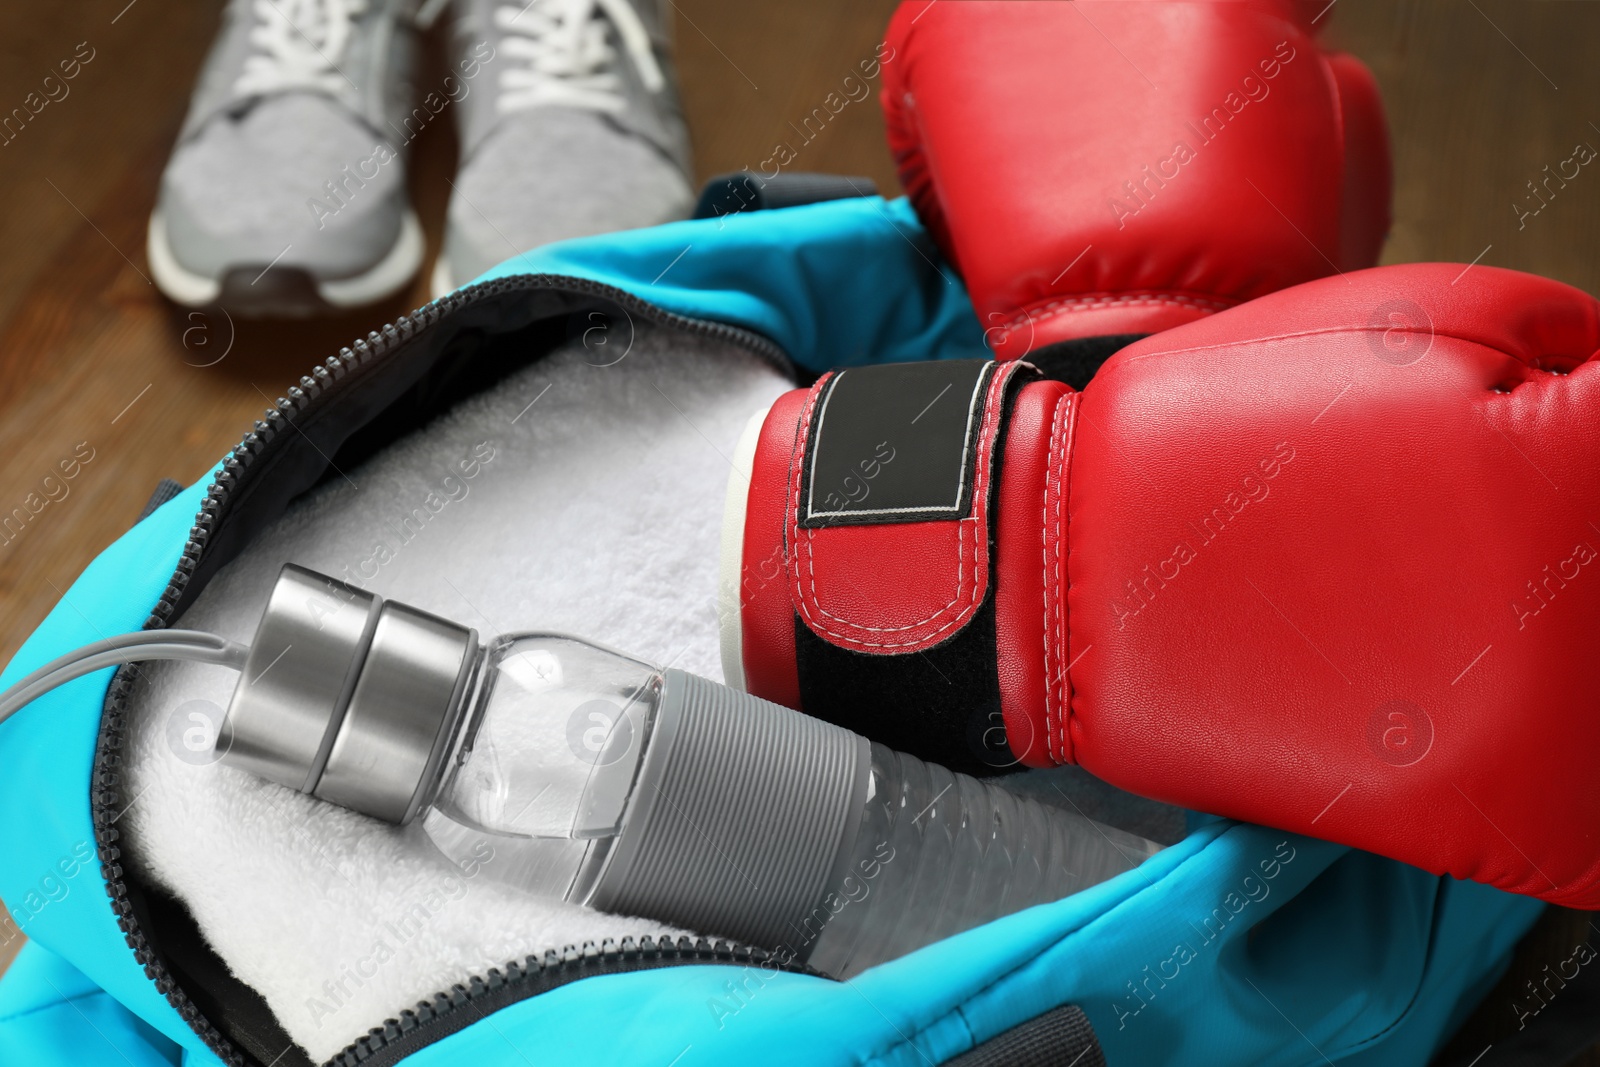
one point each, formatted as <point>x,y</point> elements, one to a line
<point>466,1003</point>
<point>330,376</point>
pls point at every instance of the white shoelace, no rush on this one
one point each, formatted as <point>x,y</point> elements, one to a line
<point>298,45</point>
<point>564,46</point>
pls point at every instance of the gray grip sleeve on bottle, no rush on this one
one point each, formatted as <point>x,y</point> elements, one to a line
<point>741,813</point>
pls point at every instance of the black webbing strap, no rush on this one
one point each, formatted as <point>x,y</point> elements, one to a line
<point>744,190</point>
<point>1061,1037</point>
<point>165,490</point>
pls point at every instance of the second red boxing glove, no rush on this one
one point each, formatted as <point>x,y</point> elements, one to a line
<point>1105,169</point>
<point>1329,562</point>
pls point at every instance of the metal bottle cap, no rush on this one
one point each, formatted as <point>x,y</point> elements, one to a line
<point>348,697</point>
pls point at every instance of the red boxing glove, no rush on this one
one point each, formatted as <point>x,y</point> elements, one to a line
<point>1329,561</point>
<point>1100,169</point>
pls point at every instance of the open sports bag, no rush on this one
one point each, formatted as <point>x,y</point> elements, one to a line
<point>1235,944</point>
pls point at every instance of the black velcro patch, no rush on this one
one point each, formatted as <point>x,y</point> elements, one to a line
<point>894,443</point>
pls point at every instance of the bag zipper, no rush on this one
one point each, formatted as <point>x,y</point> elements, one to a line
<point>447,1011</point>
<point>465,1004</point>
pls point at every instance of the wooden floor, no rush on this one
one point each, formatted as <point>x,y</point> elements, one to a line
<point>1482,96</point>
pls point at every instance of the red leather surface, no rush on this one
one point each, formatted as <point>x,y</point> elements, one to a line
<point>1324,574</point>
<point>842,578</point>
<point>1368,171</point>
<point>766,618</point>
<point>1040,144</point>
<point>1030,630</point>
<point>902,587</point>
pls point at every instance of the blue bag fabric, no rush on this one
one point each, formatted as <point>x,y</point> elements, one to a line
<point>1238,945</point>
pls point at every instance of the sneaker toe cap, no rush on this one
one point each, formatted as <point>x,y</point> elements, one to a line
<point>295,179</point>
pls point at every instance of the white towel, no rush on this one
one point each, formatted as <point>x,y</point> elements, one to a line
<point>594,508</point>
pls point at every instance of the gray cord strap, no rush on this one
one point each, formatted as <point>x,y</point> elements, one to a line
<point>125,648</point>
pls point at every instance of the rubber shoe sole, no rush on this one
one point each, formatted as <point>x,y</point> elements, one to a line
<point>271,291</point>
<point>439,282</point>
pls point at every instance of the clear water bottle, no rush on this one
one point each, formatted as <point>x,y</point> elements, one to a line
<point>607,782</point>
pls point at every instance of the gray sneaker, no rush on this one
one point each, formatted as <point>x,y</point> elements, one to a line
<point>286,194</point>
<point>576,129</point>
